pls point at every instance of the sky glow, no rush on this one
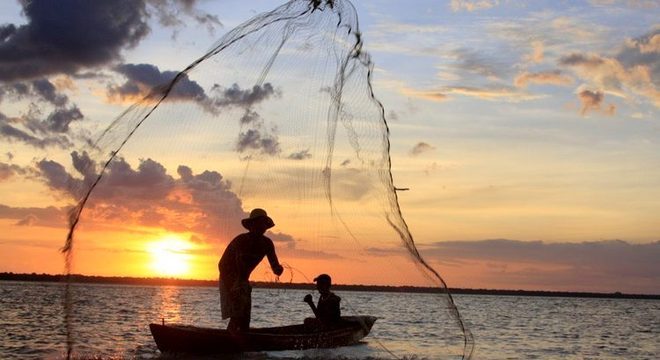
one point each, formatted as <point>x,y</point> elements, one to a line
<point>528,133</point>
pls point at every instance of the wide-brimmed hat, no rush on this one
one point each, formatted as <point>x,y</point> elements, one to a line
<point>255,216</point>
<point>323,278</point>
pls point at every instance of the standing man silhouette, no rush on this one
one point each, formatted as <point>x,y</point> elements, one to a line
<point>241,256</point>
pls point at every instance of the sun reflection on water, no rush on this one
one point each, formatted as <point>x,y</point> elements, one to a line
<point>170,304</point>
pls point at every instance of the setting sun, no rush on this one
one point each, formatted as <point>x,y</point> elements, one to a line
<point>169,256</point>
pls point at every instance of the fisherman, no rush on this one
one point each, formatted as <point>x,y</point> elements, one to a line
<point>241,256</point>
<point>327,312</point>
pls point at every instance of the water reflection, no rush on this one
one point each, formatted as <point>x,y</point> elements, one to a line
<point>113,321</point>
<point>170,304</point>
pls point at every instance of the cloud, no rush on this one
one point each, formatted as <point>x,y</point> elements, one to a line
<point>259,140</point>
<point>420,148</point>
<point>643,52</point>
<point>67,36</point>
<point>7,171</point>
<point>57,178</point>
<point>12,133</point>
<point>29,220</point>
<point>31,127</point>
<point>397,28</point>
<point>636,4</point>
<point>577,59</point>
<point>472,5</point>
<point>647,44</point>
<point>48,91</point>
<point>635,70</point>
<point>59,120</point>
<point>141,78</point>
<point>611,264</point>
<point>250,117</point>
<point>203,204</point>
<point>300,155</point>
<point>490,93</point>
<point>554,77</point>
<point>169,14</point>
<point>235,96</point>
<point>593,101</point>
<point>41,133</point>
<point>40,89</point>
<point>427,95</point>
<point>34,216</point>
<point>474,62</point>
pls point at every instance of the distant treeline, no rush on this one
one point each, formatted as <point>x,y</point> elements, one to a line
<point>122,280</point>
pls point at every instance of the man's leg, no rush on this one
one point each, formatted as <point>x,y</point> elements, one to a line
<point>234,325</point>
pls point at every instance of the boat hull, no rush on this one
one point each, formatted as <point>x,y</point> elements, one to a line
<point>191,339</point>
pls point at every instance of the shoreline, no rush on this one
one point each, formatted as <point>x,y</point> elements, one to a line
<point>124,280</point>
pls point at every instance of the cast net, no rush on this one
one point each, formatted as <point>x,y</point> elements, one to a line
<point>280,114</point>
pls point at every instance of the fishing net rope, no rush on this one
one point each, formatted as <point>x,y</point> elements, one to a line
<point>279,114</point>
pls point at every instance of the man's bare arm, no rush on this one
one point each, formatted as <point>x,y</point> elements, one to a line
<point>272,259</point>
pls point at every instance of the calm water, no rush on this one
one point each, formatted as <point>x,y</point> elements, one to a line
<point>112,321</point>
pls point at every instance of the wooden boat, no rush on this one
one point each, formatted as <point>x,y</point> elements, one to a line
<point>192,339</point>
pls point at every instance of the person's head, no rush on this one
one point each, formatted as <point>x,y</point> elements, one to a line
<point>258,222</point>
<point>323,283</point>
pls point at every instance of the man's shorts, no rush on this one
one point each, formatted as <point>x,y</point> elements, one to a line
<point>235,299</point>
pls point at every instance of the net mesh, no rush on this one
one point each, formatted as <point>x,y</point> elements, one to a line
<point>279,114</point>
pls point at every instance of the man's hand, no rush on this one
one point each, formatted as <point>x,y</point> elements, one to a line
<point>308,298</point>
<point>278,270</point>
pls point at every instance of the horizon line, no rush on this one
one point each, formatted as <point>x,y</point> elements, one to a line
<point>136,280</point>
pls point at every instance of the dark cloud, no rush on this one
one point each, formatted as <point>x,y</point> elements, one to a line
<point>47,90</point>
<point>31,127</point>
<point>67,36</point>
<point>613,259</point>
<point>171,12</point>
<point>58,121</point>
<point>149,181</point>
<point>262,142</point>
<point>83,164</point>
<point>51,131</point>
<point>41,89</point>
<point>235,96</point>
<point>420,148</point>
<point>6,31</point>
<point>57,178</point>
<point>12,133</point>
<point>256,138</point>
<point>593,101</point>
<point>577,59</point>
<point>300,155</point>
<point>250,117</point>
<point>141,78</point>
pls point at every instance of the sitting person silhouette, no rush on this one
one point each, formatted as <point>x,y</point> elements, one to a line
<point>327,312</point>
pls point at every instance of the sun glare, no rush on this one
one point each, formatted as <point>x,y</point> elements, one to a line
<point>170,257</point>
